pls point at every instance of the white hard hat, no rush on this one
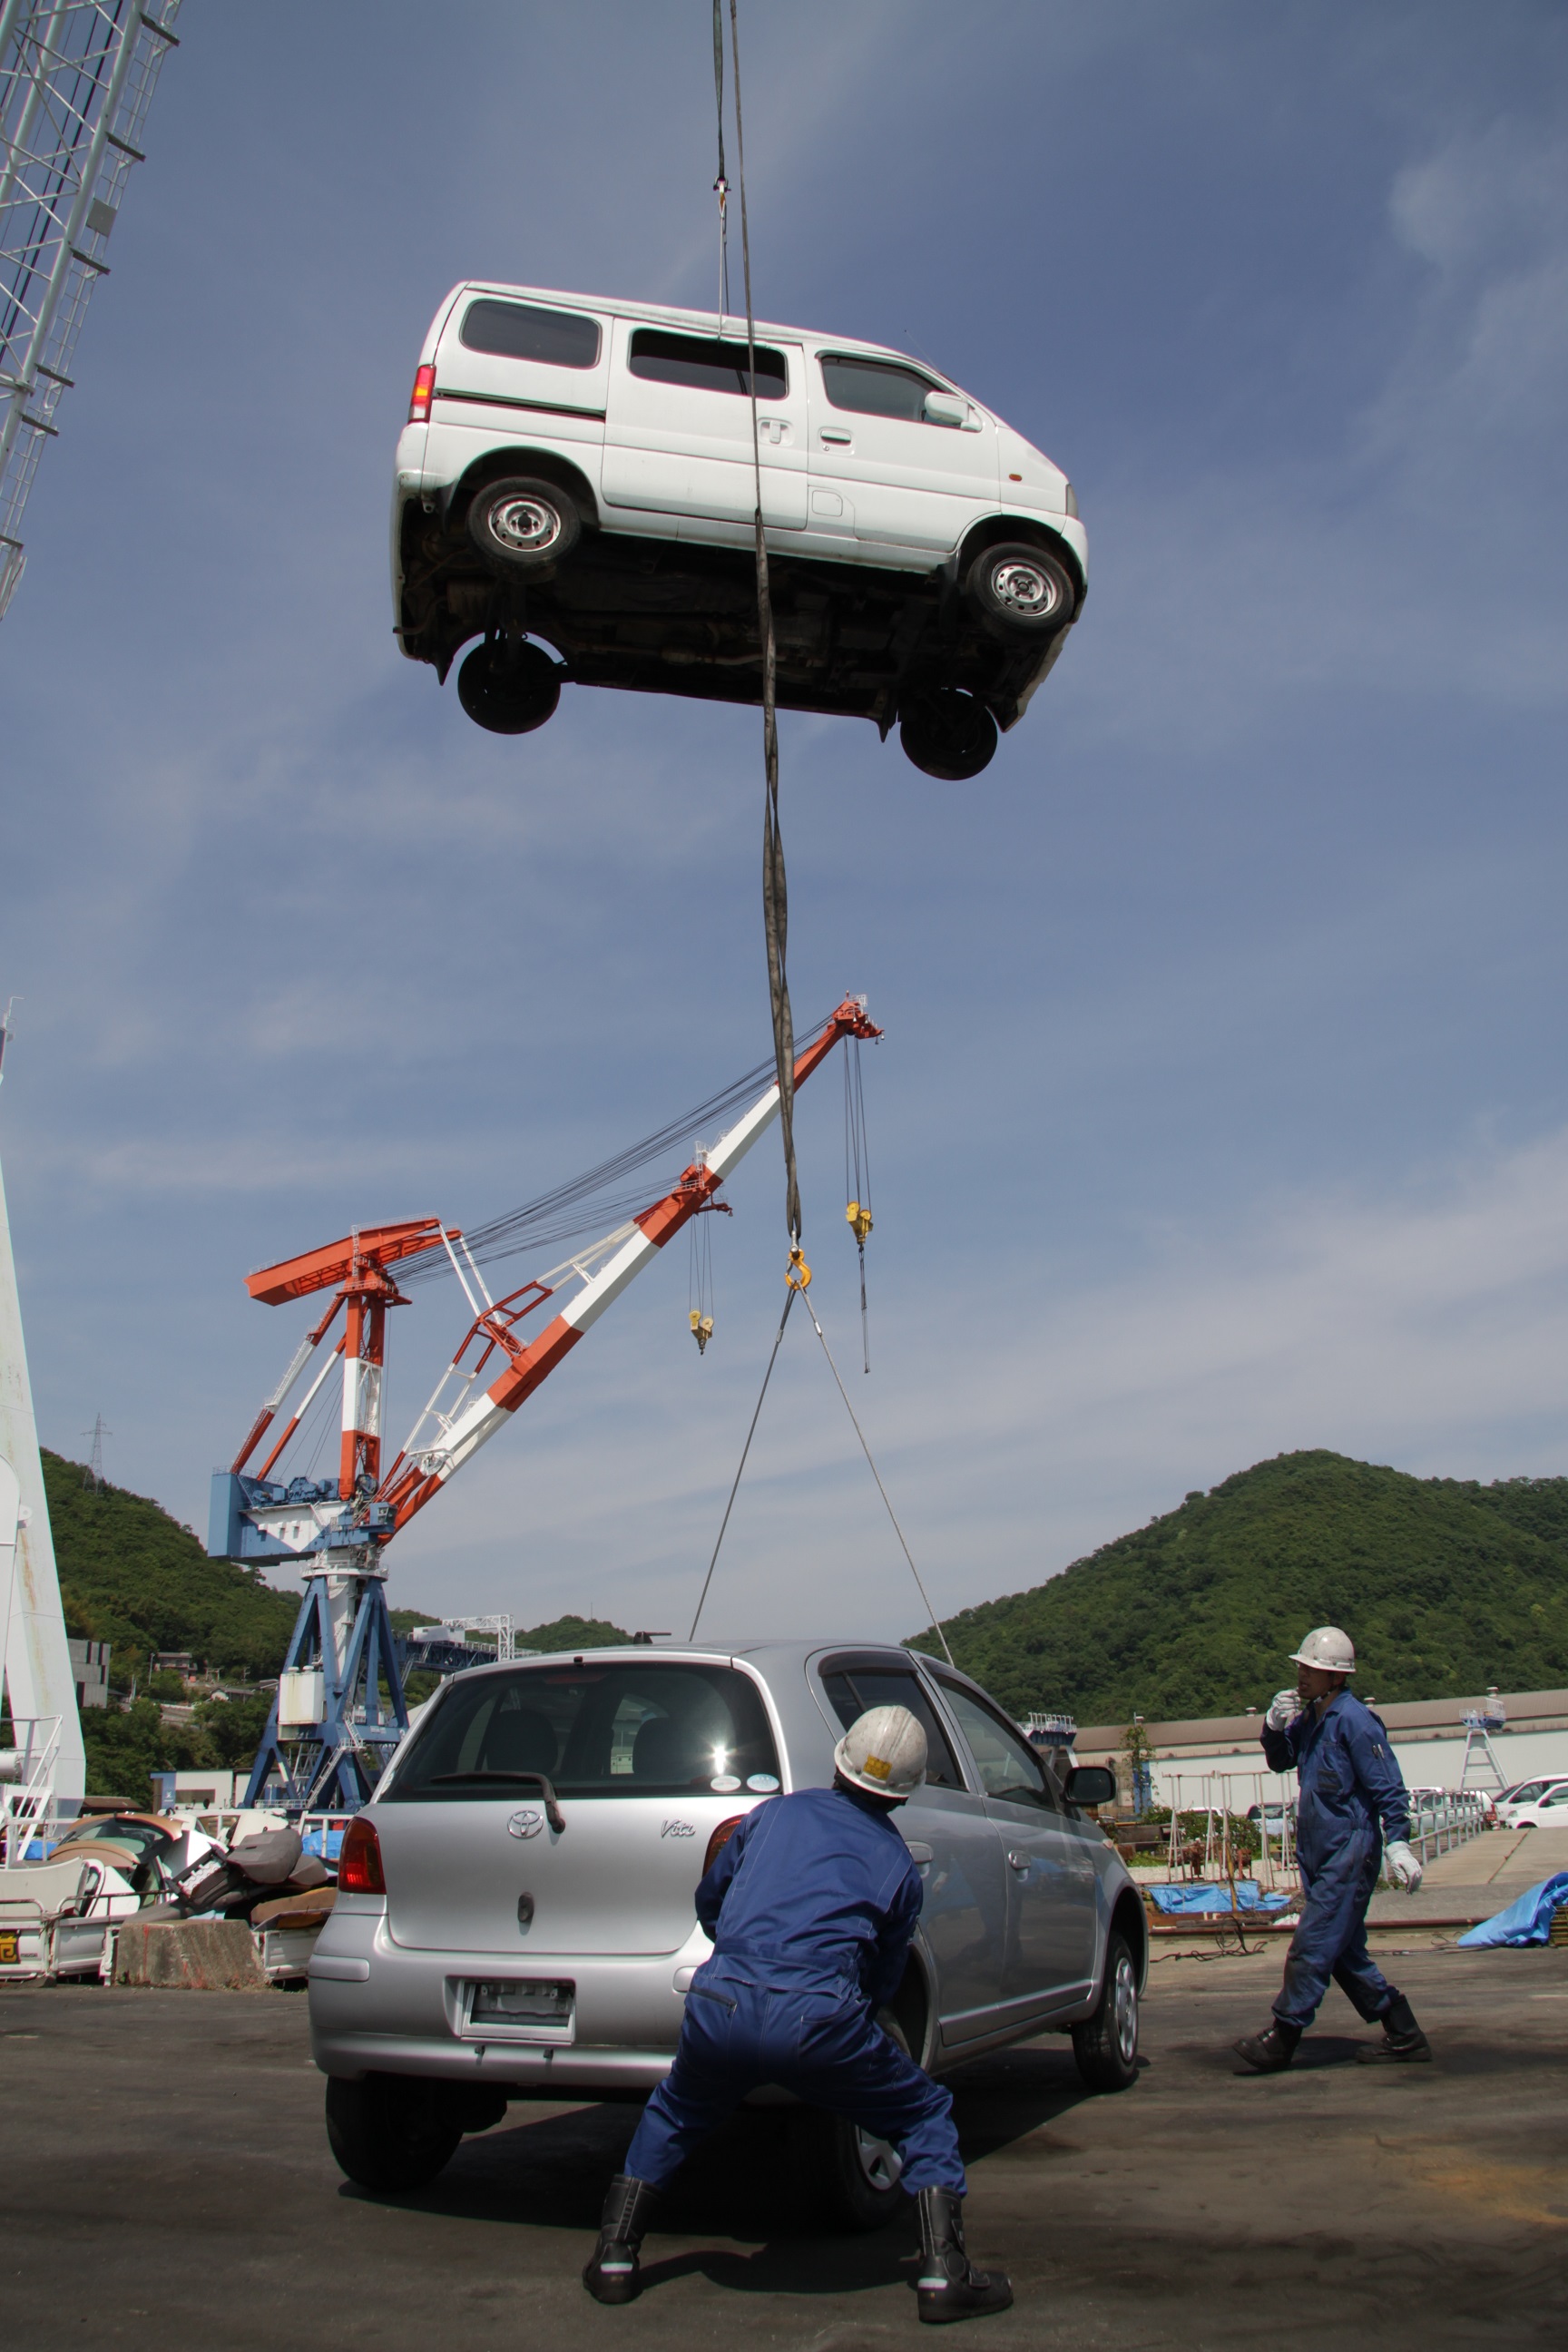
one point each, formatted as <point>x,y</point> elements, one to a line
<point>883,1751</point>
<point>1327,1647</point>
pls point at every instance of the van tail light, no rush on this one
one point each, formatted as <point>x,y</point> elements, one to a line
<point>716,1843</point>
<point>424,393</point>
<point>359,1860</point>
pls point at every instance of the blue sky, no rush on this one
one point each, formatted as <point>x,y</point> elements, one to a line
<point>1222,1109</point>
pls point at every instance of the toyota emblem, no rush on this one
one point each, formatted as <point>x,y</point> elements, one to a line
<point>527,1822</point>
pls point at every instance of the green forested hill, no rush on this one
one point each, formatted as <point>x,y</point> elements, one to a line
<point>1445,1586</point>
<point>133,1576</point>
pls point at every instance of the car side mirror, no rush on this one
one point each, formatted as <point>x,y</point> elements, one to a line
<point>1090,1785</point>
<point>945,408</point>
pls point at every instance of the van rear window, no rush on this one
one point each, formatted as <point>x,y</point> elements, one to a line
<point>615,1729</point>
<point>706,364</point>
<point>519,330</point>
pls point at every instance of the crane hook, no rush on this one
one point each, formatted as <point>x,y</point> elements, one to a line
<point>797,1273</point>
<point>859,1222</point>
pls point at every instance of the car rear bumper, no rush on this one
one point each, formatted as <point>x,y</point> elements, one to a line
<point>377,2007</point>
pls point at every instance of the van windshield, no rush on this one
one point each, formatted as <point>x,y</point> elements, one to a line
<point>616,1729</point>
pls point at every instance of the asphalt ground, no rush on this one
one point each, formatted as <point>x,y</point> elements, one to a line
<point>166,2183</point>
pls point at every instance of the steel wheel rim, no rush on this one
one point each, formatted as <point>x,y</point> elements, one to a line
<point>1024,588</point>
<point>879,2163</point>
<point>1126,2010</point>
<point>524,526</point>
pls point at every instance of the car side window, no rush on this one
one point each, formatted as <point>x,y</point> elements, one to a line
<point>876,388</point>
<point>1010,1769</point>
<point>521,330</point>
<point>703,364</point>
<point>850,1689</point>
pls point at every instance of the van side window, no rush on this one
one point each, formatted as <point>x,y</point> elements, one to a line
<point>876,388</point>
<point>518,330</point>
<point>706,364</point>
<point>851,1689</point>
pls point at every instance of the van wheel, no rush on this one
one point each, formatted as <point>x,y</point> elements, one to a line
<point>509,690</point>
<point>390,2132</point>
<point>523,528</point>
<point>1020,591</point>
<point>1106,2044</point>
<point>949,734</point>
<point>857,2179</point>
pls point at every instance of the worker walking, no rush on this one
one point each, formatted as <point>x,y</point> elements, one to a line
<point>1353,1811</point>
<point>811,1907</point>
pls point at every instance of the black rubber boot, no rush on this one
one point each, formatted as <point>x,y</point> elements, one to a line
<point>1402,2043</point>
<point>1269,2053</point>
<point>950,2288</point>
<point>610,2273</point>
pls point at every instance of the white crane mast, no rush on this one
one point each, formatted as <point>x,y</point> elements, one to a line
<point>76,80</point>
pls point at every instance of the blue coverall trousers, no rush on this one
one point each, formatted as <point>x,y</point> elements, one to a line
<point>1331,1941</point>
<point>817,2039</point>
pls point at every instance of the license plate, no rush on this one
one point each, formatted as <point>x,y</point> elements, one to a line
<point>525,2009</point>
<point>10,1947</point>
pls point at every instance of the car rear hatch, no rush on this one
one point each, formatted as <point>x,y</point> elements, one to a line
<point>644,1759</point>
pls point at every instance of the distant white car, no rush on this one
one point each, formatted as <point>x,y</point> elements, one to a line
<point>1548,1809</point>
<point>576,487</point>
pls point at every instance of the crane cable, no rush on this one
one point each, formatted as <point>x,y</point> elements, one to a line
<point>775,891</point>
<point>857,1177</point>
<point>797,1277</point>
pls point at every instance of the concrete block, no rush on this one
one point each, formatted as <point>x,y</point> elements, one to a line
<point>189,1954</point>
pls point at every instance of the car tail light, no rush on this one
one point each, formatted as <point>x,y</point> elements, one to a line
<point>359,1860</point>
<point>719,1840</point>
<point>423,392</point>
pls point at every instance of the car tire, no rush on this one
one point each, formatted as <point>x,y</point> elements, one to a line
<point>523,528</point>
<point>1106,2044</point>
<point>856,2185</point>
<point>948,734</point>
<point>508,691</point>
<point>1021,592</point>
<point>390,2132</point>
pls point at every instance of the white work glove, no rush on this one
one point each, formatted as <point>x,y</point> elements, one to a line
<point>1402,1866</point>
<point>1283,1709</point>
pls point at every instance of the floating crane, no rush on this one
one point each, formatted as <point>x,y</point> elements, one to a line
<point>340,1709</point>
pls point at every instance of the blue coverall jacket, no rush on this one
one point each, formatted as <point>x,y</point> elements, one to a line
<point>1351,1799</point>
<point>811,1905</point>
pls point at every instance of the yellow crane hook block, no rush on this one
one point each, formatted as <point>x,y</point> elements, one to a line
<point>797,1273</point>
<point>701,1329</point>
<point>859,1222</point>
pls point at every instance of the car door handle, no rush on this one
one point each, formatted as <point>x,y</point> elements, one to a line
<point>1019,1862</point>
<point>837,440</point>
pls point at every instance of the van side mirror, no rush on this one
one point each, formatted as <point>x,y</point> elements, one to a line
<point>1090,1785</point>
<point>945,408</point>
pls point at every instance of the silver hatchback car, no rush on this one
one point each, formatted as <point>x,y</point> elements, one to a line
<point>514,1917</point>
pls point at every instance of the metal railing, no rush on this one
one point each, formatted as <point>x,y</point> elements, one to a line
<point>1440,1822</point>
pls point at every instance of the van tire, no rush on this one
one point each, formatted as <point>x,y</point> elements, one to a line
<point>523,528</point>
<point>1106,2044</point>
<point>1021,592</point>
<point>948,734</point>
<point>390,2132</point>
<point>855,2179</point>
<point>508,691</point>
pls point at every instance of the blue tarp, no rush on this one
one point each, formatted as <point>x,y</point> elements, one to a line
<point>1528,1921</point>
<point>1202,1897</point>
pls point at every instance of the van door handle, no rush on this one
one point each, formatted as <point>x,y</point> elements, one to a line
<point>838,440</point>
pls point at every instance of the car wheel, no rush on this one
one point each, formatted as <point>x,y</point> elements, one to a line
<point>1106,2044</point>
<point>508,691</point>
<point>857,2178</point>
<point>1020,591</point>
<point>390,2132</point>
<point>523,528</point>
<point>949,734</point>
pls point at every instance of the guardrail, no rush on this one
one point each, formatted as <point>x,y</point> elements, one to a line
<point>1437,1824</point>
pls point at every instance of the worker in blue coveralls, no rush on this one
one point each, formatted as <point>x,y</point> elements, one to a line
<point>1352,1813</point>
<point>811,1907</point>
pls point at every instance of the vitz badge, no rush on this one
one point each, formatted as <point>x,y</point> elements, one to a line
<point>678,1828</point>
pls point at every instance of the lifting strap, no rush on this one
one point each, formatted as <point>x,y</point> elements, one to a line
<point>775,891</point>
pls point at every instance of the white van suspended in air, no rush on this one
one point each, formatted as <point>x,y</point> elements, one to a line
<point>578,475</point>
